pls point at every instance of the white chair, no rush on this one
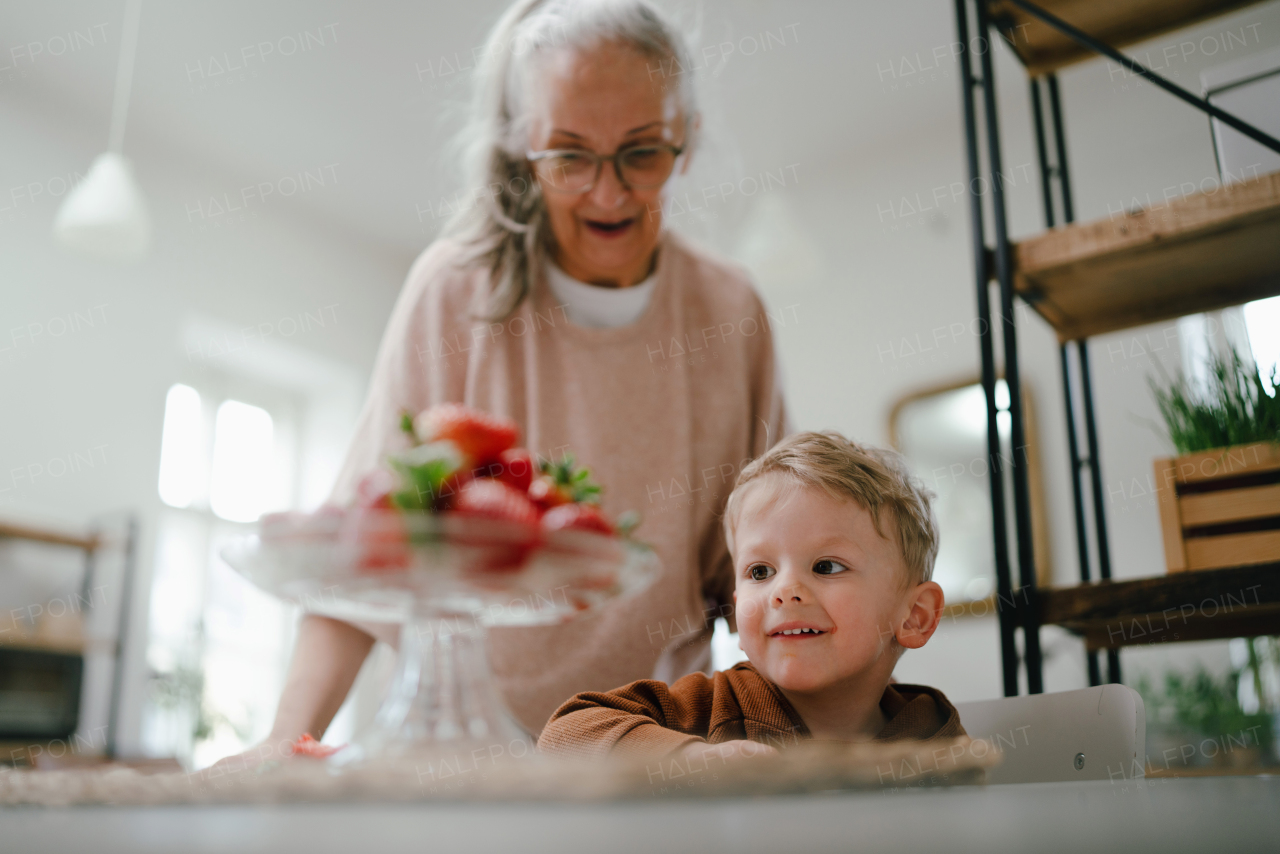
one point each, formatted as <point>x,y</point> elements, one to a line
<point>1092,734</point>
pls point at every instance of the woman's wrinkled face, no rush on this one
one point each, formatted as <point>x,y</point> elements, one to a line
<point>601,100</point>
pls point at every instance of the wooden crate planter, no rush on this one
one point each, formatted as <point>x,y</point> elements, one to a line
<point>1220,508</point>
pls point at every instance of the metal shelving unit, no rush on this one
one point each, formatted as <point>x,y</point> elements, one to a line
<point>91,544</point>
<point>1058,274</point>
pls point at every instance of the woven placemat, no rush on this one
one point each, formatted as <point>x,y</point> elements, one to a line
<point>807,767</point>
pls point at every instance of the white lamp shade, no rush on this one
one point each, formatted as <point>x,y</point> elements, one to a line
<point>105,215</point>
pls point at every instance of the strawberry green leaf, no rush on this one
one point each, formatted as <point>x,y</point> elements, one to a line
<point>423,471</point>
<point>628,522</point>
<point>588,494</point>
<point>408,500</point>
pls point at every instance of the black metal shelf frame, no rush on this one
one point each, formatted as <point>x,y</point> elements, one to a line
<point>1018,605</point>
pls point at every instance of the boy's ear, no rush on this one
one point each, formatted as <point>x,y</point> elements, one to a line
<point>925,603</point>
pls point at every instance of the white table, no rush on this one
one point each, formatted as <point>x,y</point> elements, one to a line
<point>1234,814</point>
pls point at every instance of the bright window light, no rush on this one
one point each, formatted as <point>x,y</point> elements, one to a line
<point>1002,395</point>
<point>243,471</point>
<point>183,460</point>
<point>1262,320</point>
<point>967,409</point>
<point>1004,423</point>
<point>725,651</point>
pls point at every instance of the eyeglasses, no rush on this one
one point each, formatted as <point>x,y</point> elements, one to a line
<point>572,170</point>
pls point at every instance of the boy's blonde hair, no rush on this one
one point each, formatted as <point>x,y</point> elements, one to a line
<point>875,478</point>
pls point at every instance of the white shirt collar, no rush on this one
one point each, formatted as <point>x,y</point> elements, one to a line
<point>597,306</point>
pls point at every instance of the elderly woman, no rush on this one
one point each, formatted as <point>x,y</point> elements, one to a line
<point>559,301</point>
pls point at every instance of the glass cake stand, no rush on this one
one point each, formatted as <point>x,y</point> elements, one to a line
<point>450,578</point>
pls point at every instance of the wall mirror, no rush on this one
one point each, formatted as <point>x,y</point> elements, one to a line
<point>942,432</point>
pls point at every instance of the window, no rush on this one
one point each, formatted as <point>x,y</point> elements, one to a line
<point>182,463</point>
<point>1252,330</point>
<point>219,647</point>
<point>239,477</point>
<point>725,652</point>
<point>1262,320</point>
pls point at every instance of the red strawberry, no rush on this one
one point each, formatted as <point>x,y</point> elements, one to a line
<point>496,500</point>
<point>515,468</point>
<point>484,499</point>
<point>451,488</point>
<point>381,540</point>
<point>582,517</point>
<point>563,483</point>
<point>480,437</point>
<point>546,493</point>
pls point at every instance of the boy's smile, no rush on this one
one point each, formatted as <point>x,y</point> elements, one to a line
<point>797,630</point>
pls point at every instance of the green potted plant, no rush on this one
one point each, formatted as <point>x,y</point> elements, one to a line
<point>1197,720</point>
<point>1220,498</point>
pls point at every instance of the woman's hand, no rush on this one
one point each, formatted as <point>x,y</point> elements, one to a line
<point>326,661</point>
<point>273,747</point>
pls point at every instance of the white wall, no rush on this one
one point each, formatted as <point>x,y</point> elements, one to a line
<point>99,389</point>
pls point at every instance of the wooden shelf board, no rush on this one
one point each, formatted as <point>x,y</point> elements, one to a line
<point>1184,606</point>
<point>1197,253</point>
<point>32,643</point>
<point>1116,23</point>
<point>1160,628</point>
<point>65,754</point>
<point>9,530</point>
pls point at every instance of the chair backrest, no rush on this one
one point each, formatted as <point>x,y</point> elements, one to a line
<point>1092,734</point>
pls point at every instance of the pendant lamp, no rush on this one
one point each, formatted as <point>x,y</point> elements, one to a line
<point>105,215</point>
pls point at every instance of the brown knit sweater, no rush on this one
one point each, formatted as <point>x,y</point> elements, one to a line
<point>649,717</point>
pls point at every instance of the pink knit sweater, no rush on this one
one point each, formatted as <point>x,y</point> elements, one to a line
<point>665,412</point>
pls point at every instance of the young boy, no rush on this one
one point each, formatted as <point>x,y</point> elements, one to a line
<point>833,546</point>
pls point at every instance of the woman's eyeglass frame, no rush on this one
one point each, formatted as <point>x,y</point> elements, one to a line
<point>600,159</point>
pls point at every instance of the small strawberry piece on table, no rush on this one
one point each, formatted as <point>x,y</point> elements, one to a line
<point>480,437</point>
<point>309,747</point>
<point>581,517</point>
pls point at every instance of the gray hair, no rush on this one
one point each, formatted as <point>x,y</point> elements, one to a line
<point>507,229</point>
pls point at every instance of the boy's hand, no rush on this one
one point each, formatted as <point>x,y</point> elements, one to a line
<point>726,751</point>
